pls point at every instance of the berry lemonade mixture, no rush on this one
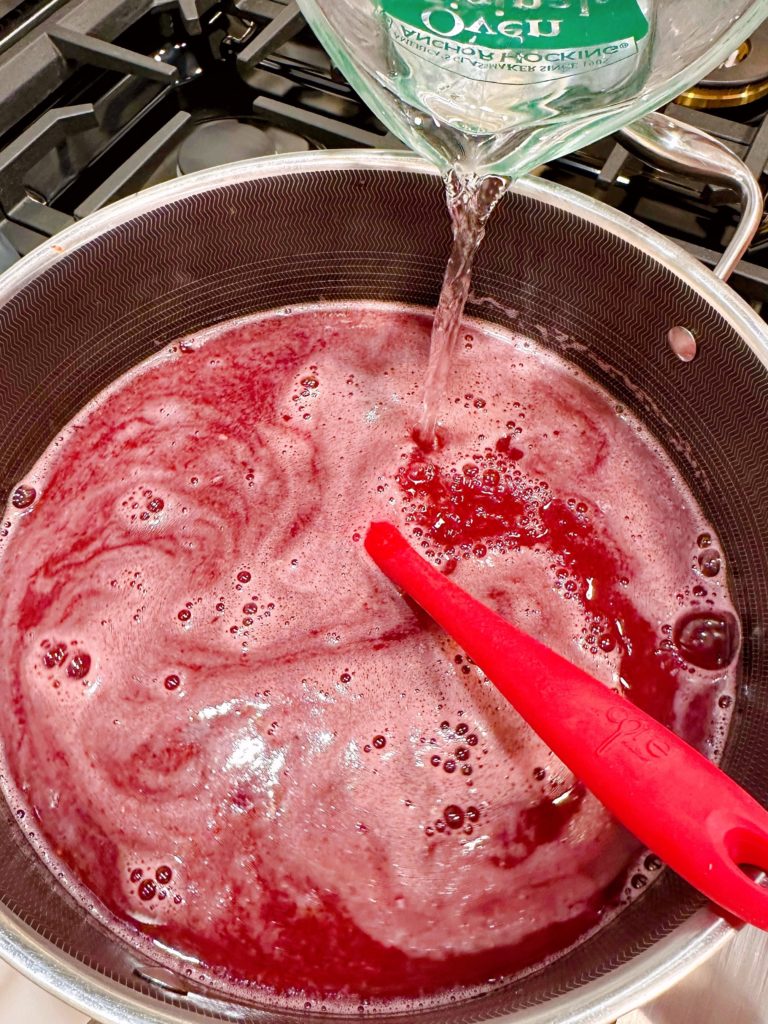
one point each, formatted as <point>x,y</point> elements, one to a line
<point>226,724</point>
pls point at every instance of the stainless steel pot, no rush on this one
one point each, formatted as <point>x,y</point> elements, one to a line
<point>583,279</point>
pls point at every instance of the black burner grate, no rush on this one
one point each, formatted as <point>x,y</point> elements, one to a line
<point>98,104</point>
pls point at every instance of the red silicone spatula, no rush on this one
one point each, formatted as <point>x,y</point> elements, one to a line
<point>697,819</point>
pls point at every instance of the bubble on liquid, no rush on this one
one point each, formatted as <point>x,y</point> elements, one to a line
<point>449,766</point>
<point>653,863</point>
<point>454,816</point>
<point>172,682</point>
<point>708,640</point>
<point>710,562</point>
<point>704,540</point>
<point>136,875</point>
<point>184,615</point>
<point>55,655</point>
<point>147,889</point>
<point>164,874</point>
<point>725,701</point>
<point>379,742</point>
<point>421,472</point>
<point>244,577</point>
<point>683,343</point>
<point>435,760</point>
<point>23,496</point>
<point>638,881</point>
<point>79,666</point>
<point>155,505</point>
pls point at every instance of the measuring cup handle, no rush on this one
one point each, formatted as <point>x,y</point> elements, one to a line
<point>667,144</point>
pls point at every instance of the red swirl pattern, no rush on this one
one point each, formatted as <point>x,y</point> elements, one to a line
<point>234,732</point>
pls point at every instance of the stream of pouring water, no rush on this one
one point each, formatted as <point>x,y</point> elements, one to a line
<point>471,200</point>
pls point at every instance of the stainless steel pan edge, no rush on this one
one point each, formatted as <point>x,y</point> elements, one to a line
<point>649,973</point>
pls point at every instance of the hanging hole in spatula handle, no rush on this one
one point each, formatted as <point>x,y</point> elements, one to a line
<point>749,850</point>
<point>744,847</point>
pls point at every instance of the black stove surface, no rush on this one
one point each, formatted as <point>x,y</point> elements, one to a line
<point>100,98</point>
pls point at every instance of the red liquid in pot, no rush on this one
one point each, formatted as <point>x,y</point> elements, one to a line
<point>233,731</point>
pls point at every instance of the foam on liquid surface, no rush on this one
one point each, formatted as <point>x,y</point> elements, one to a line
<point>235,733</point>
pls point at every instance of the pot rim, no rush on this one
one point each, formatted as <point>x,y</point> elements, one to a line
<point>652,971</point>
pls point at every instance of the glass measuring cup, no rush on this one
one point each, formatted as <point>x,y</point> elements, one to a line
<point>499,86</point>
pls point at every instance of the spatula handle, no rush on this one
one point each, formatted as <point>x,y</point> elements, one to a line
<point>679,804</point>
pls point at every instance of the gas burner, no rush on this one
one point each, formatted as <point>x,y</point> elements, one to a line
<point>741,80</point>
<point>227,139</point>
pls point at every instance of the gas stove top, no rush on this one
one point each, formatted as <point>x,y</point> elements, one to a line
<point>101,98</point>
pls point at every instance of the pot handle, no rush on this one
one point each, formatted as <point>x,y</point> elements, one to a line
<point>669,145</point>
